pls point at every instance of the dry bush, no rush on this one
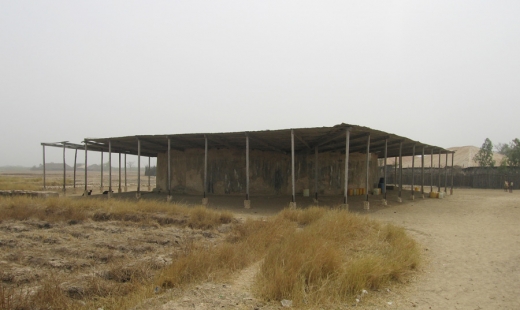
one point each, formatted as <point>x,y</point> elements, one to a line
<point>303,216</point>
<point>334,258</point>
<point>203,218</point>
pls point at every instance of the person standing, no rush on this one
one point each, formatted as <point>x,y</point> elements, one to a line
<point>510,186</point>
<point>506,186</point>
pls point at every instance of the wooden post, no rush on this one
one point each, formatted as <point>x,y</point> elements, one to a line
<point>396,163</point>
<point>109,169</point>
<point>347,158</point>
<point>247,166</point>
<point>384,173</point>
<point>75,161</point>
<point>85,193</point>
<point>64,169</point>
<point>44,185</point>
<point>446,174</point>
<point>119,178</point>
<point>205,165</point>
<point>400,199</point>
<point>422,172</point>
<point>293,198</point>
<point>413,172</point>
<point>451,190</point>
<point>431,171</point>
<point>149,173</point>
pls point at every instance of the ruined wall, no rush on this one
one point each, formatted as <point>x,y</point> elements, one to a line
<point>270,172</point>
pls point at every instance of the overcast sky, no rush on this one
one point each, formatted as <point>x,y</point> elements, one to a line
<point>445,73</point>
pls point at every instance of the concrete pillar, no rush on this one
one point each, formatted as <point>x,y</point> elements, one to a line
<point>205,199</point>
<point>293,197</point>
<point>109,169</point>
<point>366,204</point>
<point>44,185</point>
<point>247,202</point>
<point>413,172</point>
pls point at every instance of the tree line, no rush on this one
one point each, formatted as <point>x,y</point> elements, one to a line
<point>511,152</point>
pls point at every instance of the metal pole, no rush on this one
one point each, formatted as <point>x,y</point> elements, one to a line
<point>149,172</point>
<point>64,169</point>
<point>422,172</point>
<point>316,174</point>
<point>431,171</point>
<point>439,172</point>
<point>109,168</point>
<point>119,178</point>
<point>413,172</point>
<point>75,161</point>
<point>101,186</point>
<point>396,163</point>
<point>169,168</point>
<point>126,188</point>
<point>44,185</point>
<point>400,169</point>
<point>446,174</point>
<point>205,164</point>
<point>384,173</point>
<point>247,166</point>
<point>347,155</point>
<point>138,167</point>
<point>293,199</point>
<point>367,165</point>
<point>86,165</point>
<point>451,190</point>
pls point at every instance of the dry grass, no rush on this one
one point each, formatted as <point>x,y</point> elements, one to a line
<point>313,256</point>
<point>29,183</point>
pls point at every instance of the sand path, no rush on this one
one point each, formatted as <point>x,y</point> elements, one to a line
<point>472,243</point>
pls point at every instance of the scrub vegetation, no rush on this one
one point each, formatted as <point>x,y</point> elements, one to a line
<point>87,253</point>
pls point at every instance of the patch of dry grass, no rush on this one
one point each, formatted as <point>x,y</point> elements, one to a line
<point>29,183</point>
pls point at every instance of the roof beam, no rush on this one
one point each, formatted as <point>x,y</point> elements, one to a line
<point>301,139</point>
<point>220,140</point>
<point>261,141</point>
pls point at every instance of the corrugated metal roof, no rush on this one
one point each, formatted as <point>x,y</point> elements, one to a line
<point>306,139</point>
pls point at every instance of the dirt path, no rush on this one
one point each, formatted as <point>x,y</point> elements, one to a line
<point>472,241</point>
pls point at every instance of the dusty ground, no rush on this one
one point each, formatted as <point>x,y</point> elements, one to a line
<point>471,242</point>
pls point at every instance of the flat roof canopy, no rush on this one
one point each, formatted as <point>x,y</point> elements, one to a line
<point>306,139</point>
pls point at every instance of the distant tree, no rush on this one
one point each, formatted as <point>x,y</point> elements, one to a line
<point>130,164</point>
<point>502,148</point>
<point>484,156</point>
<point>512,153</point>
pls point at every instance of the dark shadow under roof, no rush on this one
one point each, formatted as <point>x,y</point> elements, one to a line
<point>326,139</point>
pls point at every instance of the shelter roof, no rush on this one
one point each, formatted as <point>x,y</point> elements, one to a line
<point>306,140</point>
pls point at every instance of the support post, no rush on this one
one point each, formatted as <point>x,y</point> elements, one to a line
<point>366,204</point>
<point>439,173</point>
<point>446,174</point>
<point>75,165</point>
<point>119,178</point>
<point>169,197</point>
<point>396,163</point>
<point>413,172</point>
<point>422,173</point>
<point>347,155</point>
<point>149,173</point>
<point>126,187</point>
<point>204,198</point>
<point>431,172</point>
<point>293,197</point>
<point>316,174</point>
<point>138,194</point>
<point>400,198</point>
<point>247,202</point>
<point>109,169</point>
<point>384,173</point>
<point>85,192</point>
<point>451,190</point>
<point>44,185</point>
<point>101,186</point>
<point>64,170</point>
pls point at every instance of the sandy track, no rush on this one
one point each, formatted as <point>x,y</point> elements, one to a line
<point>472,243</point>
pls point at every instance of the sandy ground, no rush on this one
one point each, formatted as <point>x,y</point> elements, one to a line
<point>470,241</point>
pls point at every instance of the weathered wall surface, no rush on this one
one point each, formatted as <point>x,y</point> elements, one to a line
<point>270,172</point>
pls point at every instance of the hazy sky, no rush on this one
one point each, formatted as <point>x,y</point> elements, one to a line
<point>445,73</point>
